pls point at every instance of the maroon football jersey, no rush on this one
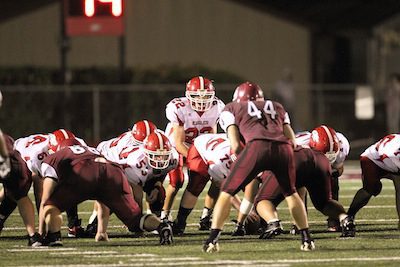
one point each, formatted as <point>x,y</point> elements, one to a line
<point>312,167</point>
<point>256,119</point>
<point>62,160</point>
<point>19,180</point>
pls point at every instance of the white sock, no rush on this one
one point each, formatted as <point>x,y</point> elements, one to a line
<point>206,212</point>
<point>93,216</point>
<point>164,214</point>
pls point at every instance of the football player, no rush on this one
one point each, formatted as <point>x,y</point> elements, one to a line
<point>34,149</point>
<point>208,158</point>
<point>16,185</point>
<point>195,114</point>
<point>380,160</point>
<point>117,150</point>
<point>4,160</point>
<point>265,127</point>
<point>146,166</point>
<point>313,172</point>
<point>320,139</point>
<point>76,173</point>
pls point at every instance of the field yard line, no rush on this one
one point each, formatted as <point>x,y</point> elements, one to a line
<point>85,253</point>
<point>270,263</point>
<point>39,249</point>
<point>120,256</point>
<point>379,196</point>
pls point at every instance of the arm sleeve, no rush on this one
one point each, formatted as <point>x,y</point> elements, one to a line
<point>48,171</point>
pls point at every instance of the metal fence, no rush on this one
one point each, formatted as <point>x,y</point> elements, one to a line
<point>98,112</point>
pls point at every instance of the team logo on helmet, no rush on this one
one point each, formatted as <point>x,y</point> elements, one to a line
<point>325,140</point>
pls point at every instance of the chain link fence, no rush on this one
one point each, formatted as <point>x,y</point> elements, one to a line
<point>99,112</point>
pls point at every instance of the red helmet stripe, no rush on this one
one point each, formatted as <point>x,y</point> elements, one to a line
<point>64,133</point>
<point>147,125</point>
<point>330,138</point>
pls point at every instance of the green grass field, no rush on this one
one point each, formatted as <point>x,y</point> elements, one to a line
<point>377,242</point>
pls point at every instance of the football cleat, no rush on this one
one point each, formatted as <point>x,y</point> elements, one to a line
<point>307,245</point>
<point>91,229</point>
<point>165,233</point>
<point>239,230</point>
<point>348,227</point>
<point>54,239</point>
<point>205,223</point>
<point>178,228</point>
<point>333,225</point>
<point>273,229</point>
<point>35,240</point>
<point>294,230</point>
<point>211,247</point>
<point>76,230</point>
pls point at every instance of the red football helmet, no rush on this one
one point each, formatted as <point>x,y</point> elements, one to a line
<point>324,139</point>
<point>57,137</point>
<point>157,149</point>
<point>141,130</point>
<point>200,92</point>
<point>248,91</point>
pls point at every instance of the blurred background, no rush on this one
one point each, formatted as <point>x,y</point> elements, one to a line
<point>97,66</point>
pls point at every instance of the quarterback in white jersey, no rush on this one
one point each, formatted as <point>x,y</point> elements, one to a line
<point>380,160</point>
<point>195,114</point>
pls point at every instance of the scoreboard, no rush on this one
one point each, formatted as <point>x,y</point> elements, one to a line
<point>94,17</point>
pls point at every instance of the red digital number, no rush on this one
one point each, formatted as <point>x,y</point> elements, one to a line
<point>116,7</point>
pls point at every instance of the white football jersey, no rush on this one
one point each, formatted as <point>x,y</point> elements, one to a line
<point>117,149</point>
<point>34,149</point>
<point>138,170</point>
<point>215,151</point>
<point>303,139</point>
<point>385,153</point>
<point>195,123</point>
